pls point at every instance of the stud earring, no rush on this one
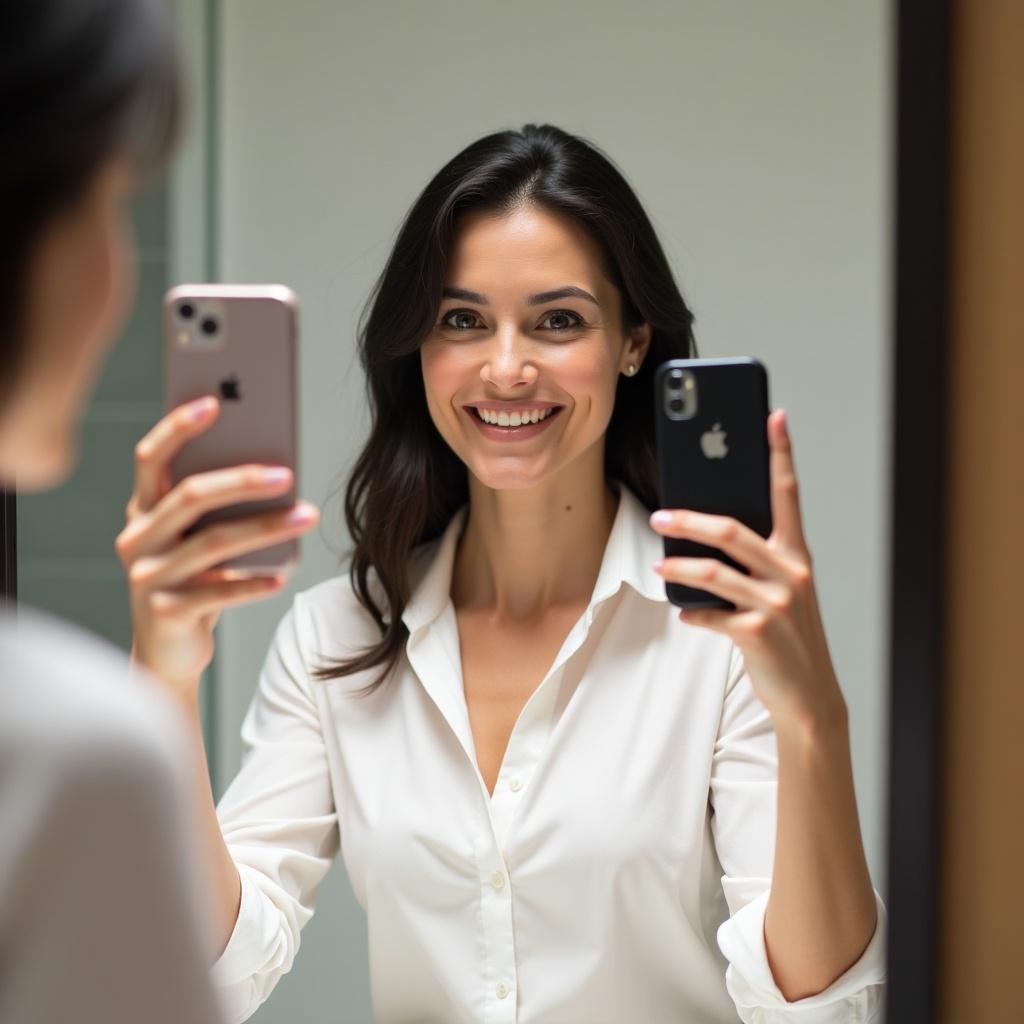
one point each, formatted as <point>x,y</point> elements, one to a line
<point>631,369</point>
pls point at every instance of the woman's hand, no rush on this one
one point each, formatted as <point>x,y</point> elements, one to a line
<point>776,624</point>
<point>176,598</point>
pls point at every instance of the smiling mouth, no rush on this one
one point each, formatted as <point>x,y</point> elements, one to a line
<point>554,411</point>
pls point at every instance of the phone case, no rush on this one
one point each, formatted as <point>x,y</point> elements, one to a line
<point>238,342</point>
<point>716,458</point>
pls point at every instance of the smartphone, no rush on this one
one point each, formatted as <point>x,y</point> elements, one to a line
<point>713,454</point>
<point>238,342</point>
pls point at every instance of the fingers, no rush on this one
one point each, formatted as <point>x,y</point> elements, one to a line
<point>729,535</point>
<point>190,604</point>
<point>787,522</point>
<point>725,581</point>
<point>197,494</point>
<point>156,448</point>
<point>217,542</point>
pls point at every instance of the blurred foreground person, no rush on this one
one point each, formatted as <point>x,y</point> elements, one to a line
<point>102,896</point>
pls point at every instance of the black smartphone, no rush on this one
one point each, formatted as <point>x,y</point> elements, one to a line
<point>713,454</point>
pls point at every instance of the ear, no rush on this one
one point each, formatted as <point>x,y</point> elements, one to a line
<point>637,344</point>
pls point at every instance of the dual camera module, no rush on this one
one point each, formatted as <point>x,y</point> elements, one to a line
<point>209,325</point>
<point>679,394</point>
<point>198,323</point>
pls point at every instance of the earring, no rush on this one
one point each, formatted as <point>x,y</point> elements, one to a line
<point>631,369</point>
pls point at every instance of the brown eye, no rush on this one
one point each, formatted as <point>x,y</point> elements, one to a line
<point>575,321</point>
<point>463,326</point>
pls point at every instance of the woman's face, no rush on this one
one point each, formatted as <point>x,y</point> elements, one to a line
<point>509,344</point>
<point>79,281</point>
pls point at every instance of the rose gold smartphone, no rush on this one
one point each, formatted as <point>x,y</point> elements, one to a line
<point>238,342</point>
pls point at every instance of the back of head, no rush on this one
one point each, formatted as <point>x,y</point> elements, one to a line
<point>81,82</point>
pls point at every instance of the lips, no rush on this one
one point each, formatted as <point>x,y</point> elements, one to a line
<point>510,433</point>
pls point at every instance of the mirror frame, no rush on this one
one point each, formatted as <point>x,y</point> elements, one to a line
<point>917,501</point>
<point>8,548</point>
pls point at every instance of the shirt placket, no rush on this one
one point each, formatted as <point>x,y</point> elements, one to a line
<point>525,747</point>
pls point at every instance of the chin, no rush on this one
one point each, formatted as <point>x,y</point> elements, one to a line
<point>514,479</point>
<point>47,466</point>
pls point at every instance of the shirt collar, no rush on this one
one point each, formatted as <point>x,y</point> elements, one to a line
<point>631,549</point>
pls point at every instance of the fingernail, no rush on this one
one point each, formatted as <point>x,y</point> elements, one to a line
<point>302,514</point>
<point>277,475</point>
<point>201,408</point>
<point>661,518</point>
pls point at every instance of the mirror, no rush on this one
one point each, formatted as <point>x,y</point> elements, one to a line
<point>757,138</point>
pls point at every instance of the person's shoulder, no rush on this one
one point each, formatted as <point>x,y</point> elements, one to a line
<point>338,602</point>
<point>331,620</point>
<point>334,611</point>
<point>67,694</point>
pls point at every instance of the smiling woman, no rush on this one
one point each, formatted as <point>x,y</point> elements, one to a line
<point>596,276</point>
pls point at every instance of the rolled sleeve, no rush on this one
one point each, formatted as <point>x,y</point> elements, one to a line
<point>279,823</point>
<point>743,794</point>
<point>855,997</point>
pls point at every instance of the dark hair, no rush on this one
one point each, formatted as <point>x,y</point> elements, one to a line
<point>81,81</point>
<point>407,482</point>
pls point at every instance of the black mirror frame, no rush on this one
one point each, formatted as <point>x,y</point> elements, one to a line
<point>917,501</point>
<point>8,548</point>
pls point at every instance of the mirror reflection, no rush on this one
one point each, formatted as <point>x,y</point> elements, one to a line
<point>345,461</point>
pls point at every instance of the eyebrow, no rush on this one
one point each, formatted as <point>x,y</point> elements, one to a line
<point>566,292</point>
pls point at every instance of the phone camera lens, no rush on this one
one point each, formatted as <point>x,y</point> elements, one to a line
<point>208,325</point>
<point>676,404</point>
<point>186,311</point>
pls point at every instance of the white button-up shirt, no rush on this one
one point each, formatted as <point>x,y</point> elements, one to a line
<point>621,869</point>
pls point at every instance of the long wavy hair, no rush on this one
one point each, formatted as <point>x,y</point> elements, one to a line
<point>407,483</point>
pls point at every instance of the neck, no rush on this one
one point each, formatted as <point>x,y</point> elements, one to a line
<point>528,551</point>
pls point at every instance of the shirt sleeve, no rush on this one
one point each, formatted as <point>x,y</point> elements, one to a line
<point>744,786</point>
<point>279,823</point>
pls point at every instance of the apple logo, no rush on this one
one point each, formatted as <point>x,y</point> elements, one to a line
<point>229,388</point>
<point>712,442</point>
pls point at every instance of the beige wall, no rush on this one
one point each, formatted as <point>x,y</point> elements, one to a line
<point>757,135</point>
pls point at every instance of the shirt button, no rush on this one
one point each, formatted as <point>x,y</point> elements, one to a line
<point>515,783</point>
<point>497,879</point>
<point>502,989</point>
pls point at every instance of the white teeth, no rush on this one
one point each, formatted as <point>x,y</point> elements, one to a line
<point>515,419</point>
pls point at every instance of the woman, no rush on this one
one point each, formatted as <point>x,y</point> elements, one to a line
<point>555,800</point>
<point>101,895</point>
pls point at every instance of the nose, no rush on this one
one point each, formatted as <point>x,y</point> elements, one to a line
<point>509,359</point>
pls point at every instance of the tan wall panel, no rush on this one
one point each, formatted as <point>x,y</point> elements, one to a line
<point>982,797</point>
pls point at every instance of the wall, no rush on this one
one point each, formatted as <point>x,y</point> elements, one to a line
<point>758,138</point>
<point>977,966</point>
